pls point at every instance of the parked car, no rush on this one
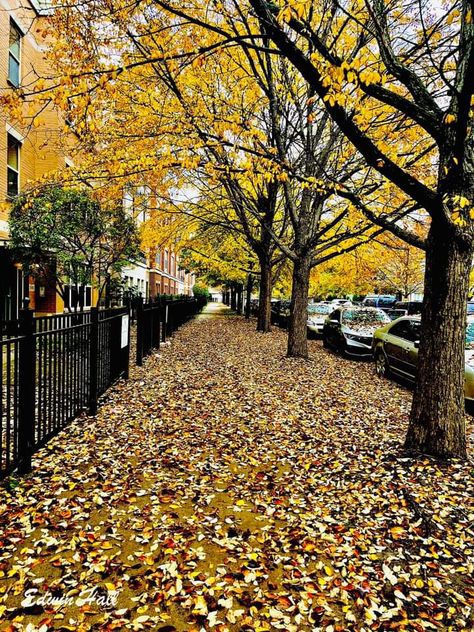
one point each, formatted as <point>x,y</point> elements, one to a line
<point>317,314</point>
<point>349,330</point>
<point>254,306</point>
<point>395,350</point>
<point>280,313</point>
<point>410,307</point>
<point>393,314</point>
<point>470,308</point>
<point>341,301</point>
<point>379,300</point>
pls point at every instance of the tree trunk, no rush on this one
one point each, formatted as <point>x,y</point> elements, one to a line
<point>248,296</point>
<point>297,330</point>
<point>82,297</point>
<point>437,424</point>
<point>240,298</point>
<point>265,295</point>
<point>233,297</point>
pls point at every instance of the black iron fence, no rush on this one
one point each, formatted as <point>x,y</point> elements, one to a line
<point>55,367</point>
<point>158,320</point>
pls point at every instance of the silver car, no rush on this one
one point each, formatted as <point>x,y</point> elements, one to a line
<point>317,313</point>
<point>395,349</point>
<point>349,330</point>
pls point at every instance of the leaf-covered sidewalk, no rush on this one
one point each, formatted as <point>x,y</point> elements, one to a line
<point>227,487</point>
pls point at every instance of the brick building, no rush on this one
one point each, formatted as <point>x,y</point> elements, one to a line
<point>26,152</point>
<point>158,272</point>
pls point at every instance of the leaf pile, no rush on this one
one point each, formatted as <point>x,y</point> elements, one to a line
<point>225,487</point>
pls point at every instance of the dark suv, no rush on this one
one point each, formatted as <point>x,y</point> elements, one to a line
<point>379,300</point>
<point>410,307</point>
<point>280,313</point>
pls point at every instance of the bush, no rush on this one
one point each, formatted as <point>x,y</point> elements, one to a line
<point>200,291</point>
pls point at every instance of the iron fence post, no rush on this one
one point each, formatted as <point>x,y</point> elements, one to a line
<point>93,360</point>
<point>170,319</point>
<point>156,335</point>
<point>26,390</point>
<point>165,320</point>
<point>126,358</point>
<point>140,332</point>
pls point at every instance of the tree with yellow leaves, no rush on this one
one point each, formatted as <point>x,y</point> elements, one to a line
<point>406,72</point>
<point>393,78</point>
<point>397,80</point>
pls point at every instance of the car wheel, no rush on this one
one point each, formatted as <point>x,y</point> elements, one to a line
<point>381,363</point>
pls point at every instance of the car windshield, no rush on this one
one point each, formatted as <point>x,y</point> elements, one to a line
<point>364,317</point>
<point>470,335</point>
<point>319,309</point>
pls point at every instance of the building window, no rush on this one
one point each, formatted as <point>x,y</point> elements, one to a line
<point>77,297</point>
<point>13,166</point>
<point>14,52</point>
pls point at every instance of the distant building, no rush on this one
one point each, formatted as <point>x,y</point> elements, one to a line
<point>159,271</point>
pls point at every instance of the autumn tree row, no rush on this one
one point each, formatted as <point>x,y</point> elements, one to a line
<point>300,130</point>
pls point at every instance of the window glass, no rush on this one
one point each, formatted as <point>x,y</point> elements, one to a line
<point>13,164</point>
<point>14,54</point>
<point>416,328</point>
<point>12,158</point>
<point>319,309</point>
<point>407,330</point>
<point>366,317</point>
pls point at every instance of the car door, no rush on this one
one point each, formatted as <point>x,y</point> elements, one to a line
<point>412,352</point>
<point>400,347</point>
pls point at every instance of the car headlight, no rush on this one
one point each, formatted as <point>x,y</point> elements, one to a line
<point>364,339</point>
<point>351,336</point>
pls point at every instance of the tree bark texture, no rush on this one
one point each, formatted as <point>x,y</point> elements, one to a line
<point>248,295</point>
<point>437,420</point>
<point>297,330</point>
<point>240,298</point>
<point>265,295</point>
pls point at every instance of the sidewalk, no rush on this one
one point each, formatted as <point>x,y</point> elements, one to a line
<point>227,487</point>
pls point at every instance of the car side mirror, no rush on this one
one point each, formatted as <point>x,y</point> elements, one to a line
<point>416,344</point>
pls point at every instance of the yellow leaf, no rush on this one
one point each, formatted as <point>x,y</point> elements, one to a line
<point>397,532</point>
<point>200,605</point>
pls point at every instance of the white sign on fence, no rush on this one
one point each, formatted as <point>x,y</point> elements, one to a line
<point>124,340</point>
